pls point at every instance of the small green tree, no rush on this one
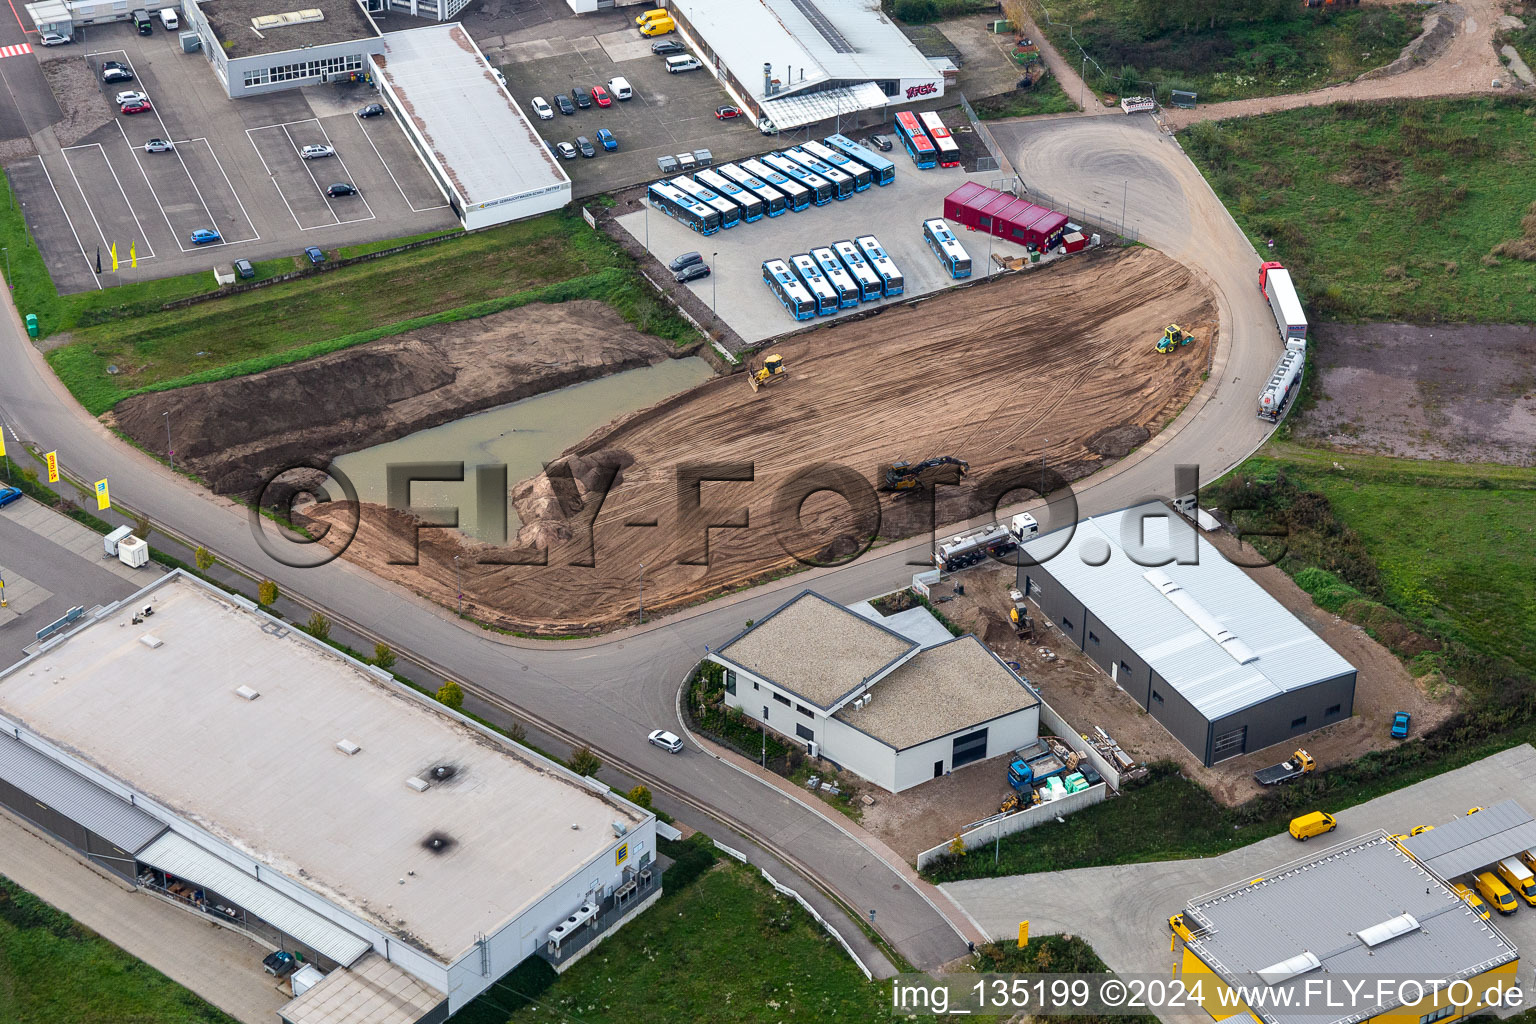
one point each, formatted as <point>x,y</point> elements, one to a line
<point>29,475</point>
<point>319,627</point>
<point>518,731</point>
<point>957,846</point>
<point>584,762</point>
<point>204,558</point>
<point>267,593</point>
<point>451,695</point>
<point>383,656</point>
<point>641,796</point>
<point>142,527</point>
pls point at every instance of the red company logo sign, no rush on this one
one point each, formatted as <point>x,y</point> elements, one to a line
<point>926,89</point>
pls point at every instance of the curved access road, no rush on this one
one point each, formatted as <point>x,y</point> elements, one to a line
<point>612,691</point>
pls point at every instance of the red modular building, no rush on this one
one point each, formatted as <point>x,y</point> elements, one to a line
<point>1004,215</point>
<point>957,205</point>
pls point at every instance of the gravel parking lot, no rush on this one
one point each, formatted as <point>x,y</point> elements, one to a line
<point>893,213</point>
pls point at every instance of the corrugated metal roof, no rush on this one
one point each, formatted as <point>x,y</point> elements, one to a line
<point>1325,906</point>
<point>1474,841</point>
<point>185,859</point>
<point>1104,564</point>
<point>796,109</point>
<point>76,797</point>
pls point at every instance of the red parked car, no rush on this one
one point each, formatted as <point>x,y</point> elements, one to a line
<point>137,107</point>
<point>726,113</point>
<point>601,97</point>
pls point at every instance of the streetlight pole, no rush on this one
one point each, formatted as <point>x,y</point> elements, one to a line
<point>8,265</point>
<point>170,453</point>
<point>1124,196</point>
<point>1082,84</point>
<point>765,735</point>
<point>458,576</point>
<point>1043,442</point>
<point>642,593</point>
<point>714,270</point>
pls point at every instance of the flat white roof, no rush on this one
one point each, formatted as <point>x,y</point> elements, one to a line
<point>265,776</point>
<point>474,130</point>
<point>807,41</point>
<point>1214,634</point>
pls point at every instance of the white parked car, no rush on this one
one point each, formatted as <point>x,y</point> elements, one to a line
<point>620,88</point>
<point>666,741</point>
<point>130,96</point>
<point>159,146</point>
<point>545,112</point>
<point>52,39</point>
<point>316,152</point>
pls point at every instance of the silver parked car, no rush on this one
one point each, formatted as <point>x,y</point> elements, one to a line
<point>666,741</point>
<point>316,152</point>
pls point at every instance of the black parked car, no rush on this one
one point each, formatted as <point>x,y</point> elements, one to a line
<point>563,103</point>
<point>667,47</point>
<point>244,269</point>
<point>881,142</point>
<point>341,188</point>
<point>687,259</point>
<point>371,110</point>
<point>582,98</point>
<point>585,145</point>
<point>692,273</point>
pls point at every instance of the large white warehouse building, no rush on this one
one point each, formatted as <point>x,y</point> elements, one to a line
<point>227,762</point>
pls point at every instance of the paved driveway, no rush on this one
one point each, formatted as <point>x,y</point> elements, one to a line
<point>1123,911</point>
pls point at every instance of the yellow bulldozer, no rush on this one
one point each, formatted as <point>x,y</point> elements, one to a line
<point>771,370</point>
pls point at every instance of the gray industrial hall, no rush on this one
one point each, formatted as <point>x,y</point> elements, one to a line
<point>1203,648</point>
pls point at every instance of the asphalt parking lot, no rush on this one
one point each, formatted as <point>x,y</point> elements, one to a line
<point>235,169</point>
<point>893,213</point>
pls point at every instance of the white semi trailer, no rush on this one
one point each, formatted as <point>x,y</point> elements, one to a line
<point>991,541</point>
<point>1276,286</point>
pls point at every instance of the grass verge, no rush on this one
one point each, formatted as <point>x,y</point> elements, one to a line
<point>1225,51</point>
<point>1046,97</point>
<point>54,969</point>
<point>1432,559</point>
<point>553,258</point>
<point>671,963</point>
<point>1385,211</point>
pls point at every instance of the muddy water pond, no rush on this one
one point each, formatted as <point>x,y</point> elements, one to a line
<point>523,436</point>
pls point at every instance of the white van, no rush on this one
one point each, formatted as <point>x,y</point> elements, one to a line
<point>169,20</point>
<point>682,62</point>
<point>620,89</point>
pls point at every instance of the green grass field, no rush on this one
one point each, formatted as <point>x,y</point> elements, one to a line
<point>1280,48</point>
<point>1385,211</point>
<point>53,971</point>
<point>1045,97</point>
<point>547,259</point>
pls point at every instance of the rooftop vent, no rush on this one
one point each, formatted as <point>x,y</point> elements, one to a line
<point>443,772</point>
<point>438,842</point>
<point>1197,613</point>
<point>1389,929</point>
<point>1285,970</point>
<point>347,747</point>
<point>420,785</point>
<point>271,21</point>
<point>620,829</point>
<point>151,641</point>
<point>248,693</point>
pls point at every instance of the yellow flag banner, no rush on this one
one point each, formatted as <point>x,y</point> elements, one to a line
<point>52,458</point>
<point>133,255</point>
<point>2,440</point>
<point>103,499</point>
<point>113,250</point>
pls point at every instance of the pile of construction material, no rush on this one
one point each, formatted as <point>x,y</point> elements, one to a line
<point>1128,767</point>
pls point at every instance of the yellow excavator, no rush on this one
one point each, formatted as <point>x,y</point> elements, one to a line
<point>771,370</point>
<point>1173,337</point>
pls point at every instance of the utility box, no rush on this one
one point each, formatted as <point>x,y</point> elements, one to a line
<point>191,42</point>
<point>1183,99</point>
<point>110,542</point>
<point>132,551</point>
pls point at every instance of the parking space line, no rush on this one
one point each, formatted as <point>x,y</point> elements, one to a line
<point>300,154</point>
<point>85,198</point>
<point>143,235</point>
<point>391,173</point>
<point>134,151</point>
<point>351,180</point>
<point>270,176</point>
<point>70,220</point>
<point>256,235</point>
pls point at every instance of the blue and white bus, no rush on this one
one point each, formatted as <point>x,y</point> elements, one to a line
<point>842,184</point>
<point>947,248</point>
<point>816,281</point>
<point>916,141</point>
<point>730,213</point>
<point>796,196</point>
<point>680,206</point>
<point>751,206</point>
<point>821,188</point>
<point>883,265</point>
<point>788,289</point>
<point>863,274</point>
<point>841,280</point>
<point>862,176</point>
<point>773,200</point>
<point>883,170</point>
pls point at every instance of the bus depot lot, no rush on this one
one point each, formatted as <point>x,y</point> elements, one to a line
<point>893,213</point>
<point>235,169</point>
<point>669,114</point>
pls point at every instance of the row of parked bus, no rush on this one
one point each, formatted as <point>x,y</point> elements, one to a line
<point>833,277</point>
<point>811,174</point>
<point>926,140</point>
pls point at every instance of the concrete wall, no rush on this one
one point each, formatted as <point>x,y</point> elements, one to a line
<point>1059,726</point>
<point>862,754</point>
<point>1018,821</point>
<point>914,765</point>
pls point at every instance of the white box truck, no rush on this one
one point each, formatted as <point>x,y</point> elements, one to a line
<point>1276,285</point>
<point>110,542</point>
<point>132,552</point>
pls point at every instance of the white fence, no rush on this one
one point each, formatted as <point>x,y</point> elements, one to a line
<point>1058,725</point>
<point>1018,821</point>
<point>787,891</point>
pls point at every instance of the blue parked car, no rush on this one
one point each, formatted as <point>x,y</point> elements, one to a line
<point>1400,725</point>
<point>8,495</point>
<point>314,254</point>
<point>606,138</point>
<point>202,236</point>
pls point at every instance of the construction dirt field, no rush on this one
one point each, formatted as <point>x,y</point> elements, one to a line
<point>1459,392</point>
<point>1057,363</point>
<point>236,433</point>
<point>1083,695</point>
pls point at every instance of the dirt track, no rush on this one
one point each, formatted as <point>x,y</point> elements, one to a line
<point>1055,362</point>
<point>235,433</point>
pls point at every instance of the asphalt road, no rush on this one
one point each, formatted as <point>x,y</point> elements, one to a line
<point>613,690</point>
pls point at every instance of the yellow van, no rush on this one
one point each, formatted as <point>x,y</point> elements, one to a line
<point>1529,858</point>
<point>1518,877</point>
<point>1315,824</point>
<point>652,15</point>
<point>1473,900</point>
<point>658,27</point>
<point>1495,892</point>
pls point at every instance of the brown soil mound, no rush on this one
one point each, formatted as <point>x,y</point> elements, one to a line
<point>998,375</point>
<point>236,433</point>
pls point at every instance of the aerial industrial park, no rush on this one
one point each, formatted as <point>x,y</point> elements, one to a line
<point>750,510</point>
